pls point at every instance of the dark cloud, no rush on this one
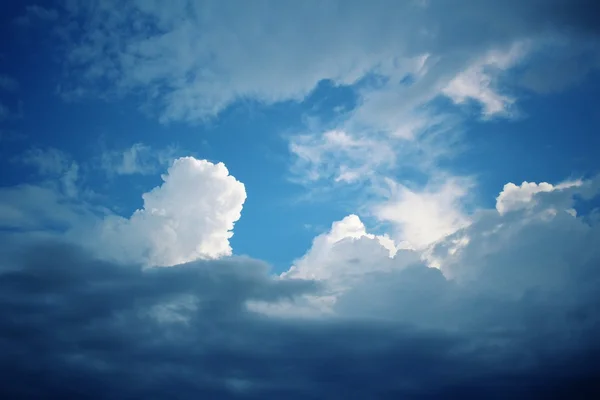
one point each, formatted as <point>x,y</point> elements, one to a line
<point>75,327</point>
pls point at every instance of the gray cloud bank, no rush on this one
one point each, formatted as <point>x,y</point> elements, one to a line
<point>76,327</point>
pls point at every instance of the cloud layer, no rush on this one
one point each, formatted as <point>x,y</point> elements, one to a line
<point>518,309</point>
<point>197,58</point>
<point>495,309</point>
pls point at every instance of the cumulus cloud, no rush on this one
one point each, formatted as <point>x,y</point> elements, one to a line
<point>346,250</point>
<point>491,265</point>
<point>190,216</point>
<point>515,197</point>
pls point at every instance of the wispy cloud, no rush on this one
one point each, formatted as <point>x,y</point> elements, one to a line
<point>195,66</point>
<point>137,159</point>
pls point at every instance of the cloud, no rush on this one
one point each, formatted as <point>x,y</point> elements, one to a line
<point>343,252</point>
<point>53,164</point>
<point>47,162</point>
<point>420,217</point>
<point>198,58</point>
<point>43,207</point>
<point>78,316</point>
<point>138,159</point>
<point>476,81</point>
<point>514,289</point>
<point>99,329</point>
<point>515,197</point>
<point>336,155</point>
<point>190,216</point>
<point>487,271</point>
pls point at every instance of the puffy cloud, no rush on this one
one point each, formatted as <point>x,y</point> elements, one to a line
<point>493,273</point>
<point>515,197</point>
<point>346,250</point>
<point>340,259</point>
<point>190,216</point>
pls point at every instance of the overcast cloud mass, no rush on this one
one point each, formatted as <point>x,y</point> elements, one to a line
<point>300,199</point>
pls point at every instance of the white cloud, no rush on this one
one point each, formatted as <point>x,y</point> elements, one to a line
<point>340,259</point>
<point>515,197</point>
<point>190,216</point>
<point>336,155</point>
<point>477,81</point>
<point>342,252</point>
<point>494,275</point>
<point>395,120</point>
<point>195,59</point>
<point>421,217</point>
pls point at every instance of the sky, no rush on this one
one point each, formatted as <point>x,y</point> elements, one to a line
<point>299,199</point>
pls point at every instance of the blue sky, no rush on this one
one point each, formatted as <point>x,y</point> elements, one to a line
<point>356,139</point>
